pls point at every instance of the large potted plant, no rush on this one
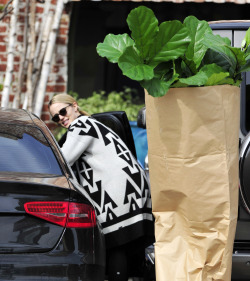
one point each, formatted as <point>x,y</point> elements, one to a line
<point>191,79</point>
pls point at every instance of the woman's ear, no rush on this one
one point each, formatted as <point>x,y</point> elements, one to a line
<point>75,105</point>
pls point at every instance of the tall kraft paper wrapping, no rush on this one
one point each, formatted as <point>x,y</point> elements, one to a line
<point>193,139</point>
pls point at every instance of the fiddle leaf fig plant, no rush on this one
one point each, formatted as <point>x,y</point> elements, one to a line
<point>174,54</point>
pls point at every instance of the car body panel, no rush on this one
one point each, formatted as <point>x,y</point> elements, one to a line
<point>68,261</point>
<point>22,232</point>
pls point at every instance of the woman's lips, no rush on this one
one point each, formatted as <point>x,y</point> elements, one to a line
<point>65,122</point>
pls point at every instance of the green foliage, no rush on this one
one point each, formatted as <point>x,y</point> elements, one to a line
<point>175,54</point>
<point>104,102</point>
<point>58,132</point>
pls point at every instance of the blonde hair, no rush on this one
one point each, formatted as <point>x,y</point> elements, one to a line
<point>65,98</point>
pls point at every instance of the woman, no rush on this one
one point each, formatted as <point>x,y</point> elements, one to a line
<point>112,177</point>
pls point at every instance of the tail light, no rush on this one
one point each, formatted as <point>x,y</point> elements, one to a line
<point>66,214</point>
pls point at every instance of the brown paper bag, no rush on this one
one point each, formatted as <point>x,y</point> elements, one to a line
<point>193,139</point>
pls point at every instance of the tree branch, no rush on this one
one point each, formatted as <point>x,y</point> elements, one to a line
<point>7,10</point>
<point>41,88</point>
<point>10,57</point>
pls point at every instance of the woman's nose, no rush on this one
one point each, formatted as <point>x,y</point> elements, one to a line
<point>61,117</point>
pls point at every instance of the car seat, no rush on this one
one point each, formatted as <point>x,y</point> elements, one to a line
<point>118,122</point>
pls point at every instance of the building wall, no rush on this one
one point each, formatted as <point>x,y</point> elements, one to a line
<point>57,82</point>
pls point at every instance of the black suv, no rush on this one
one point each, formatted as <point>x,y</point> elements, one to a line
<point>235,31</point>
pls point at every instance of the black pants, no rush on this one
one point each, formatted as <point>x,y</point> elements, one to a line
<point>124,262</point>
<point>117,264</point>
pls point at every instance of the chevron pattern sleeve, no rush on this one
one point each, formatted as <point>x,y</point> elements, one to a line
<point>75,143</point>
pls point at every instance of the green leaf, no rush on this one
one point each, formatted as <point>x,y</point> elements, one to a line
<point>218,79</point>
<point>240,56</point>
<point>208,75</point>
<point>113,46</point>
<point>163,69</point>
<point>189,65</point>
<point>247,53</point>
<point>245,67</point>
<point>196,49</point>
<point>170,43</point>
<point>183,69</point>
<point>158,88</point>
<point>133,67</point>
<point>229,81</point>
<point>220,45</point>
<point>144,27</point>
<point>246,41</point>
<point>198,79</point>
<point>214,57</point>
<point>214,73</point>
<point>237,83</point>
<point>178,84</point>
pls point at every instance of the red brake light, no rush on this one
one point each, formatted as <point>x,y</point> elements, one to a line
<point>81,215</point>
<point>66,214</point>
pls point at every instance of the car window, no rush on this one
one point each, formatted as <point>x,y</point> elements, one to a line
<point>24,149</point>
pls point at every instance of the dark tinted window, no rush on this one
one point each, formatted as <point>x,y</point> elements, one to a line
<point>24,149</point>
<point>247,100</point>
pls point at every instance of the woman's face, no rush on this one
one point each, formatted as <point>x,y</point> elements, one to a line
<point>71,113</point>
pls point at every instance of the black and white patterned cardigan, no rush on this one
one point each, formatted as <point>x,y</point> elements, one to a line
<point>115,181</point>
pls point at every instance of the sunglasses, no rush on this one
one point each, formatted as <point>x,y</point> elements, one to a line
<point>62,112</point>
